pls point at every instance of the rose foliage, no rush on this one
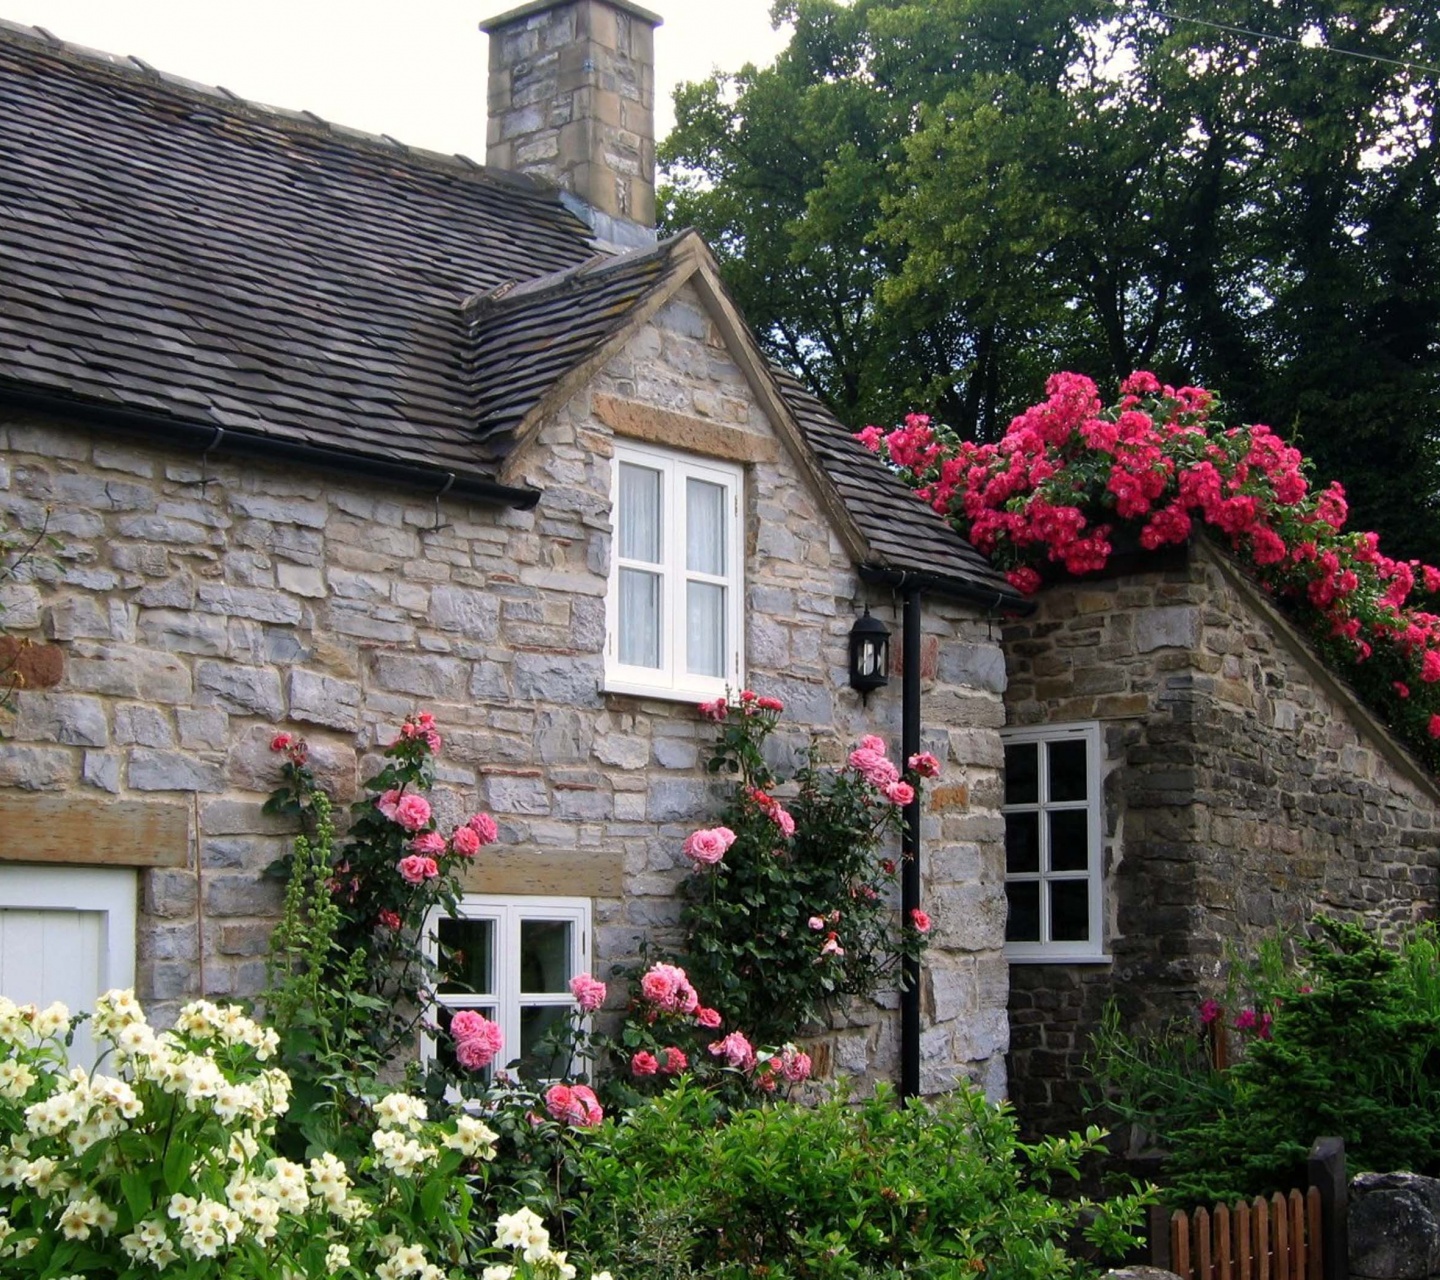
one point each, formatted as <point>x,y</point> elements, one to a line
<point>792,903</point>
<point>1159,466</point>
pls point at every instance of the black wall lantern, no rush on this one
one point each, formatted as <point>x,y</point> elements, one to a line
<point>869,655</point>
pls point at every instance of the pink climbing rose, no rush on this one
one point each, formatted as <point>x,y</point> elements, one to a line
<point>589,992</point>
<point>416,869</point>
<point>706,847</point>
<point>412,812</point>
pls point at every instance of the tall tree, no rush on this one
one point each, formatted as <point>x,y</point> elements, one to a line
<point>931,205</point>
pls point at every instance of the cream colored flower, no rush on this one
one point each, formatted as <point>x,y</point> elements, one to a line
<point>16,1079</point>
<point>472,1137</point>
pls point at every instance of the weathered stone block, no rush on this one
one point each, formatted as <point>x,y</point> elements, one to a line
<point>241,690</point>
<point>323,700</point>
<point>151,770</point>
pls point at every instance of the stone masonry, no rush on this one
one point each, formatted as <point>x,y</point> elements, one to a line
<point>194,607</point>
<point>1245,789</point>
<point>572,100</point>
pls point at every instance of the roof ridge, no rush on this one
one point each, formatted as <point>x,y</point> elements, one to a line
<point>479,307</point>
<point>140,73</point>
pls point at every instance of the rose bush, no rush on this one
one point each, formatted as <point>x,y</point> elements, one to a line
<point>1160,465</point>
<point>792,904</point>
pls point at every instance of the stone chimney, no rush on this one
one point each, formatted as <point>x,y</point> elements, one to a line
<point>572,100</point>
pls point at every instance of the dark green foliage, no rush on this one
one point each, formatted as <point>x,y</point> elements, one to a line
<point>838,1191</point>
<point>759,923</point>
<point>1354,1052</point>
<point>930,206</point>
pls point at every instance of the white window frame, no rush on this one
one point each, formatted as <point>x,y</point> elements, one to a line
<point>508,911</point>
<point>671,679</point>
<point>1045,950</point>
<point>110,893</point>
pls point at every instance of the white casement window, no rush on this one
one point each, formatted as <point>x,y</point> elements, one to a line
<point>1052,844</point>
<point>510,959</point>
<point>674,609</point>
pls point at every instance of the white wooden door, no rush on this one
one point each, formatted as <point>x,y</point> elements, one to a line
<point>66,933</point>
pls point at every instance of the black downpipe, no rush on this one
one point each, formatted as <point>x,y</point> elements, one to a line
<point>910,848</point>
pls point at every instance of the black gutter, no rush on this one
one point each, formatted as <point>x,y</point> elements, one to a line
<point>206,438</point>
<point>991,599</point>
<point>910,848</point>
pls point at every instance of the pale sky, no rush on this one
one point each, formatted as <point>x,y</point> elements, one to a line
<point>414,69</point>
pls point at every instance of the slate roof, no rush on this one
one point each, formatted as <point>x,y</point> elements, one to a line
<point>171,251</point>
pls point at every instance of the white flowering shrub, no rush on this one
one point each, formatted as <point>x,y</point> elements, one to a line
<point>168,1164</point>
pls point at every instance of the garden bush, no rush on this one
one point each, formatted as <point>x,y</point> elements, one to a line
<point>1345,1040</point>
<point>837,1191</point>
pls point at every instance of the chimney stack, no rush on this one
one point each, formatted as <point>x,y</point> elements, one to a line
<point>572,100</point>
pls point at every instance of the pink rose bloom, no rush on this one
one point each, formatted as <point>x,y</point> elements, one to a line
<point>873,742</point>
<point>573,1105</point>
<point>589,992</point>
<point>465,842</point>
<point>483,825</point>
<point>706,848</point>
<point>644,1063</point>
<point>390,919</point>
<point>416,869</point>
<point>926,765</point>
<point>780,816</point>
<point>412,812</point>
<point>281,742</point>
<point>899,793</point>
<point>431,843</point>
<point>794,1065</point>
<point>817,923</point>
<point>770,704</point>
<point>388,803</point>
<point>736,1050</point>
<point>668,989</point>
<point>477,1039</point>
<point>831,946</point>
<point>473,1055</point>
<point>675,1061</point>
<point>708,1018</point>
<point>921,920</point>
<point>714,710</point>
<point>1210,1011</point>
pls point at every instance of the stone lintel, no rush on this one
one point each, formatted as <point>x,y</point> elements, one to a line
<point>571,873</point>
<point>643,422</point>
<point>75,830</point>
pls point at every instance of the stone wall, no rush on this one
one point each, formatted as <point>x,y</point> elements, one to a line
<point>192,608</point>
<point>1245,789</point>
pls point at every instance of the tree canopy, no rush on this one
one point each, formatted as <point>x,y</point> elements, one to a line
<point>931,206</point>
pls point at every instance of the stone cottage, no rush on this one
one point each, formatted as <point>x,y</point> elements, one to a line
<point>1234,786</point>
<point>328,430</point>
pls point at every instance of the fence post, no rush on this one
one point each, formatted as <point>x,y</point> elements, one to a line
<point>1160,1237</point>
<point>1327,1175</point>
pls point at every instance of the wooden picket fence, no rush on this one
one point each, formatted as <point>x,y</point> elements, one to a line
<point>1275,1239</point>
<point>1295,1236</point>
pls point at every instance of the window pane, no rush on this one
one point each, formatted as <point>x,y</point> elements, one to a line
<point>704,629</point>
<point>705,527</point>
<point>1023,922</point>
<point>1069,910</point>
<point>1022,773</point>
<point>1067,770</point>
<point>535,1022</point>
<point>639,618</point>
<point>639,513</point>
<point>1069,840</point>
<point>467,956</point>
<point>1022,842</point>
<point>545,956</point>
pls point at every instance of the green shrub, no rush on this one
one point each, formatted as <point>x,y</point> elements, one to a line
<point>1349,1045</point>
<point>837,1191</point>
